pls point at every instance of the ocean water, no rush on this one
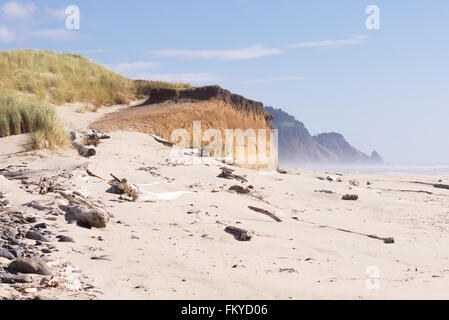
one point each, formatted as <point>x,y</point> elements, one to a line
<point>385,169</point>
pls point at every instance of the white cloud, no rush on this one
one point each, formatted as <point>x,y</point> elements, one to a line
<point>330,43</point>
<point>132,66</point>
<point>180,77</point>
<point>256,51</point>
<point>6,35</point>
<point>15,10</point>
<point>275,79</point>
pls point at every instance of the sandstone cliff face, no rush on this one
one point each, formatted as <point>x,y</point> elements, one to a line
<point>297,145</point>
<point>167,111</point>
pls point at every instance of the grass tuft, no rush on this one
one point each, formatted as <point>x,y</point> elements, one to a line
<point>20,114</point>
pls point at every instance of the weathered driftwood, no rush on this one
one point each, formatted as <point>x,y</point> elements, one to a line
<point>86,211</point>
<point>239,234</point>
<point>90,217</point>
<point>438,185</point>
<point>164,142</point>
<point>90,173</point>
<point>265,212</point>
<point>227,173</point>
<point>83,150</point>
<point>240,189</point>
<point>94,138</point>
<point>441,186</point>
<point>131,190</point>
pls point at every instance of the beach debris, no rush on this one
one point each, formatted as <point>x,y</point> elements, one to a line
<point>238,233</point>
<point>34,266</point>
<point>282,171</point>
<point>333,179</point>
<point>240,189</point>
<point>438,186</point>
<point>354,183</point>
<point>227,173</point>
<point>90,173</point>
<point>86,211</point>
<point>151,170</point>
<point>386,240</point>
<point>94,138</point>
<point>103,257</point>
<point>325,191</point>
<point>265,212</point>
<point>162,141</point>
<point>83,150</point>
<point>288,270</point>
<point>350,197</point>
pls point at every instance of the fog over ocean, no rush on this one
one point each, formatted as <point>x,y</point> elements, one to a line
<point>385,169</point>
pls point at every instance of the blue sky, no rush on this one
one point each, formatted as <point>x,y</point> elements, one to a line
<point>385,89</point>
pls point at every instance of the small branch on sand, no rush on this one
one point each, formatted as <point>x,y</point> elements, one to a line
<point>438,185</point>
<point>265,212</point>
<point>414,191</point>
<point>385,240</point>
<point>227,173</point>
<point>90,173</point>
<point>239,234</point>
<point>160,140</point>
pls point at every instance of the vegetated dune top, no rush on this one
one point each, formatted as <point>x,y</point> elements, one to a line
<point>62,78</point>
<point>208,93</point>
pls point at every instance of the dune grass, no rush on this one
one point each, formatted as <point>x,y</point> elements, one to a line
<point>20,114</point>
<point>66,78</point>
<point>62,78</point>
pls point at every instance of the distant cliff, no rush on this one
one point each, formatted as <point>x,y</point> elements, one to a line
<point>297,145</point>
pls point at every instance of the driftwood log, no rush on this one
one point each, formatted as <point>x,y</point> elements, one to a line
<point>265,212</point>
<point>239,234</point>
<point>83,150</point>
<point>86,211</point>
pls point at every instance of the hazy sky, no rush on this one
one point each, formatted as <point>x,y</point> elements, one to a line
<point>385,89</point>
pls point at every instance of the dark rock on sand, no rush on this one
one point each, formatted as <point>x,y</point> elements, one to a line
<point>6,254</point>
<point>16,278</point>
<point>33,235</point>
<point>34,266</point>
<point>65,239</point>
<point>350,197</point>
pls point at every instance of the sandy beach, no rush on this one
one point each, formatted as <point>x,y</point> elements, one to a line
<point>323,248</point>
